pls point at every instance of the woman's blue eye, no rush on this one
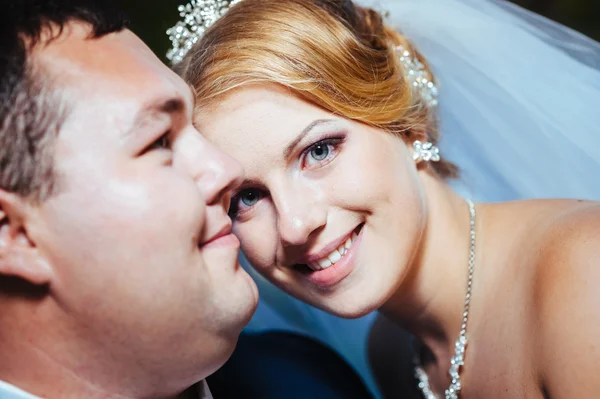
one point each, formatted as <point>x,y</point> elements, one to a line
<point>244,201</point>
<point>320,152</point>
<point>249,197</point>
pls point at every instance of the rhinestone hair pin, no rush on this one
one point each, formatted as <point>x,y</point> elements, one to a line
<point>418,77</point>
<point>197,16</point>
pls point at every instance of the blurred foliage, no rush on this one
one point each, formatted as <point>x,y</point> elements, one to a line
<point>151,18</point>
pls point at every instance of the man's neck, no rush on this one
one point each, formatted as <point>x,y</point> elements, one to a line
<point>36,372</point>
<point>10,391</point>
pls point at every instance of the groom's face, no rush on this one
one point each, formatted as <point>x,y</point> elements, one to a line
<point>138,232</point>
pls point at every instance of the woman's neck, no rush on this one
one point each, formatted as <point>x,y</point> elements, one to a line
<point>430,302</point>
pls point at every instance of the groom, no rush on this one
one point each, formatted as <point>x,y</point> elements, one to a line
<point>118,273</point>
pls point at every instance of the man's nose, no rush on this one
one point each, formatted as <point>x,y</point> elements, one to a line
<point>216,173</point>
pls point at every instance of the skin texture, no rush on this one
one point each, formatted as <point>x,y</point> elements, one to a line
<point>122,270</point>
<point>411,262</point>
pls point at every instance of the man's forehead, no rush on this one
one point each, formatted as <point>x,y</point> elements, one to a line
<point>120,58</point>
<point>109,83</point>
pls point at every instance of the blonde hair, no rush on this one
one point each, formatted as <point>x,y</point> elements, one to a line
<point>339,56</point>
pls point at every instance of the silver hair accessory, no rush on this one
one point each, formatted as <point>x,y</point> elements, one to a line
<point>198,16</point>
<point>425,152</point>
<point>418,76</point>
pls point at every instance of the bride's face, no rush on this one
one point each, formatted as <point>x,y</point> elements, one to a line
<point>332,211</point>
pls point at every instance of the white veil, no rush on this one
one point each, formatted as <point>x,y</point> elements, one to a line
<point>519,96</point>
<point>519,113</point>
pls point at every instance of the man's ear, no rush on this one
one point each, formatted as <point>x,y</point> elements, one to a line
<point>19,256</point>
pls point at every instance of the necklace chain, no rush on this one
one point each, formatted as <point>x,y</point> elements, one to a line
<point>458,360</point>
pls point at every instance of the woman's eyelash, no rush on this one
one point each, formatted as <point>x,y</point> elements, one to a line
<point>329,141</point>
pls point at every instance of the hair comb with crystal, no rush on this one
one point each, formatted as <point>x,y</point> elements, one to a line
<point>418,76</point>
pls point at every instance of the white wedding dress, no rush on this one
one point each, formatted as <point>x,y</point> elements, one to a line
<point>519,113</point>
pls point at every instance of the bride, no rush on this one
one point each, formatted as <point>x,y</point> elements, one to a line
<point>362,136</point>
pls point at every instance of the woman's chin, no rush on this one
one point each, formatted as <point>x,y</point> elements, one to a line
<point>349,310</point>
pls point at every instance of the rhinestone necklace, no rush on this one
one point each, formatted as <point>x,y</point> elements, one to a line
<point>458,360</point>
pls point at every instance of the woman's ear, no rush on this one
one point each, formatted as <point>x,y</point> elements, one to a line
<point>19,256</point>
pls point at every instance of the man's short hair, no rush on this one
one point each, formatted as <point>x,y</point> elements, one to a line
<point>30,111</point>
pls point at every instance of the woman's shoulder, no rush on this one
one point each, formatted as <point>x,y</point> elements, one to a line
<point>552,232</point>
<point>567,297</point>
<point>553,228</point>
<point>564,244</point>
<point>569,236</point>
<point>567,269</point>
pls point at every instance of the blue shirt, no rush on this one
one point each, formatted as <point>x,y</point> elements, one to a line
<point>8,391</point>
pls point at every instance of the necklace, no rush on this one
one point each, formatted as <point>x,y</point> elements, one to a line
<point>458,360</point>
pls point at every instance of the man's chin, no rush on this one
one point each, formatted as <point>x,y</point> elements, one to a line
<point>250,302</point>
<point>243,300</point>
<point>254,290</point>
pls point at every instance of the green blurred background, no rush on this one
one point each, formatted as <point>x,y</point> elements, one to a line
<point>151,18</point>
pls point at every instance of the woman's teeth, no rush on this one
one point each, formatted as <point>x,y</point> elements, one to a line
<point>334,256</point>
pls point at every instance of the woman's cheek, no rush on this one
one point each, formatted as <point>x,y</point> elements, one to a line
<point>259,249</point>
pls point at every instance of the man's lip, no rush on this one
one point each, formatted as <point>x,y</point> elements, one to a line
<point>326,250</point>
<point>222,232</point>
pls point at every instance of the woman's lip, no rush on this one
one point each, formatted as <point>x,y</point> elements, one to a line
<point>334,274</point>
<point>328,249</point>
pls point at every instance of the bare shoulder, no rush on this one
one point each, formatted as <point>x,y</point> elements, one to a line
<point>570,245</point>
<point>567,296</point>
